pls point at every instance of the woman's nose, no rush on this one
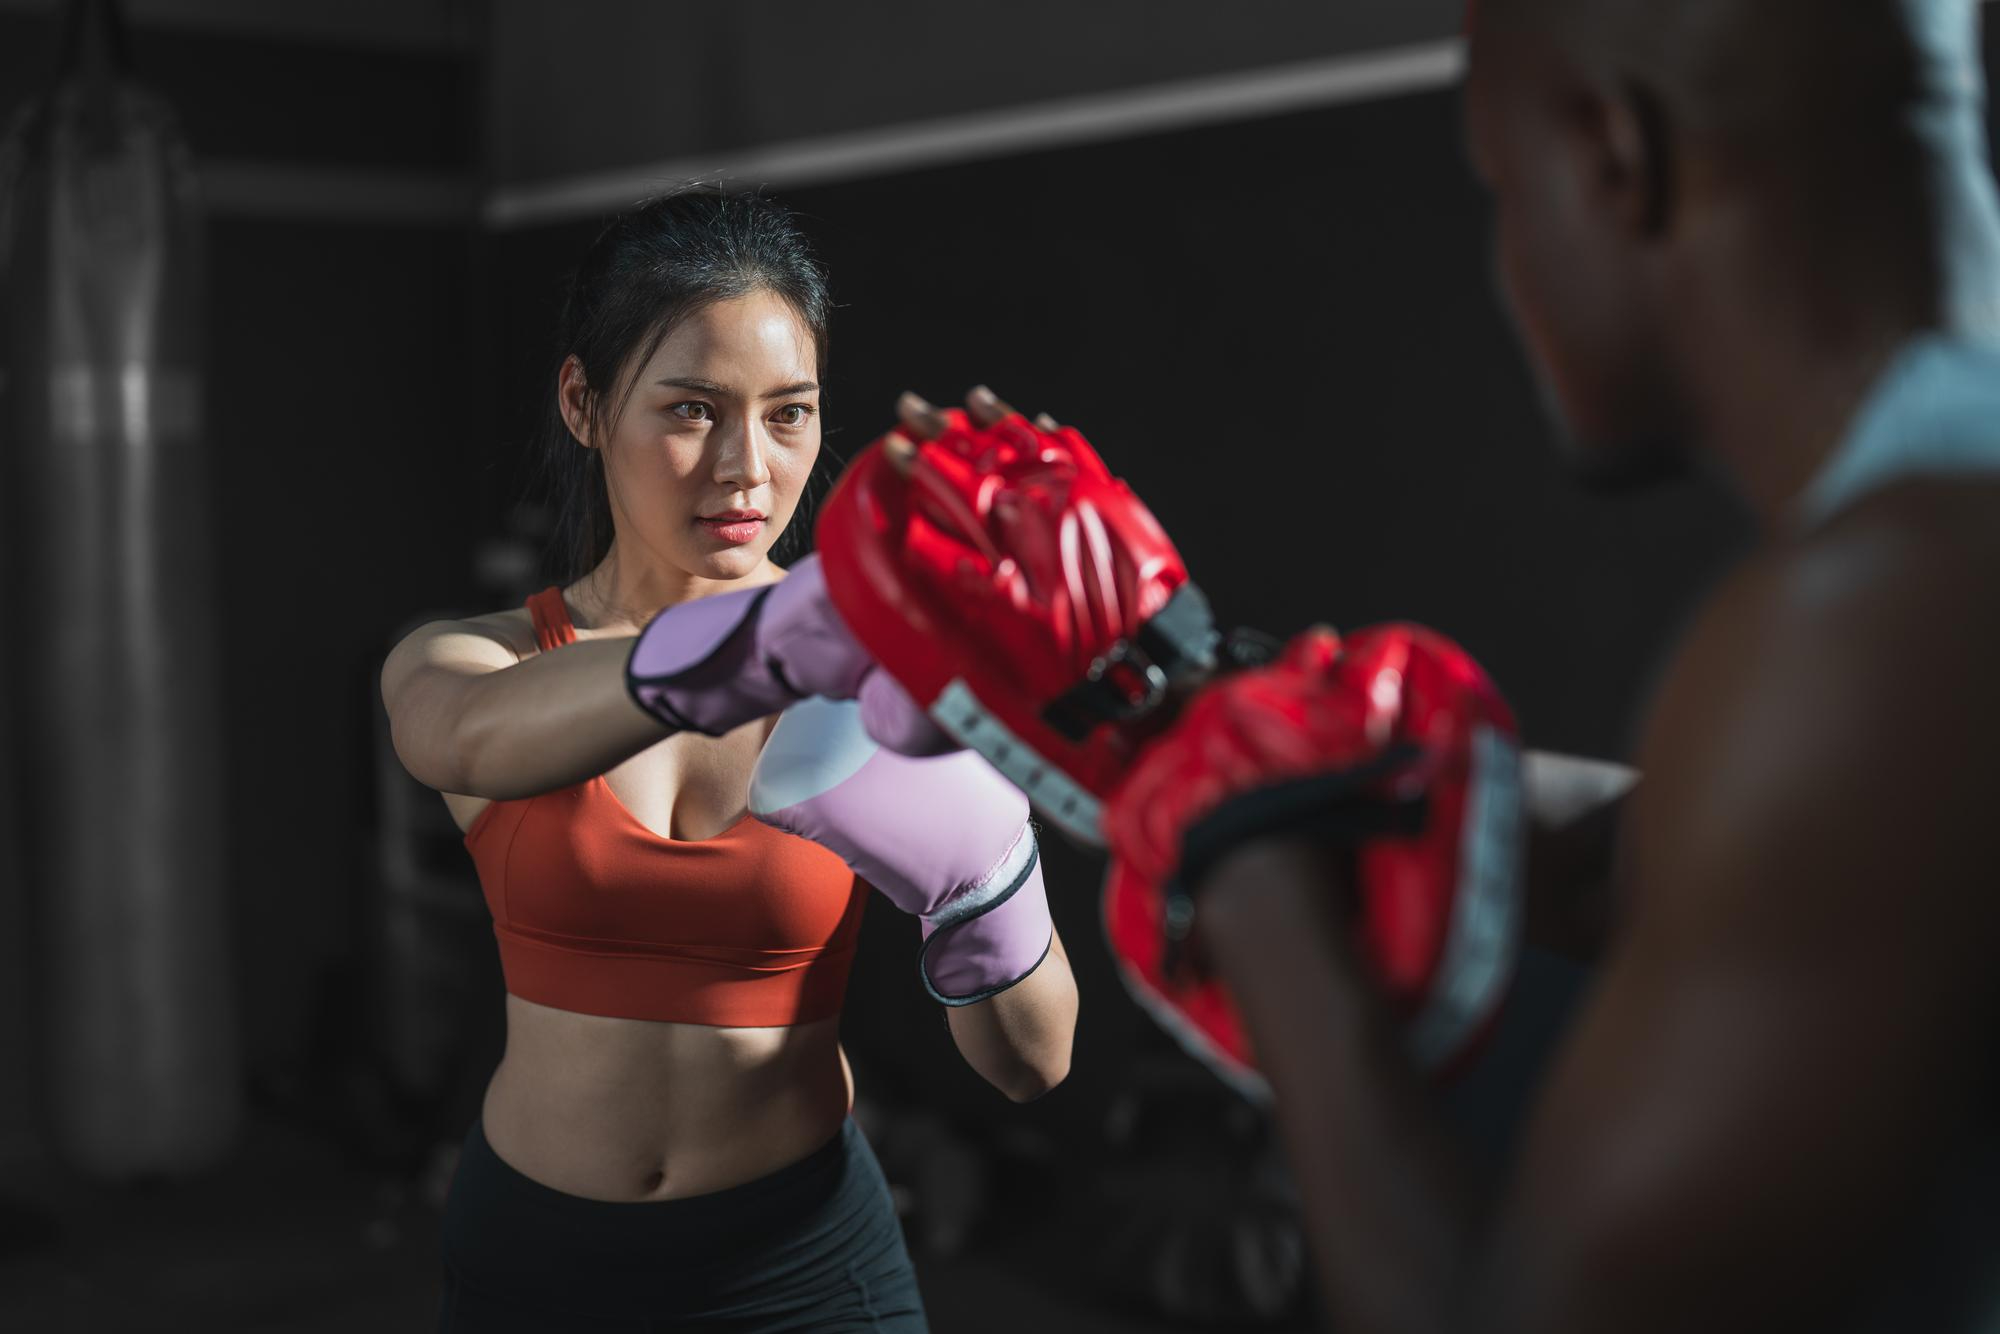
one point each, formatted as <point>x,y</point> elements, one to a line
<point>740,460</point>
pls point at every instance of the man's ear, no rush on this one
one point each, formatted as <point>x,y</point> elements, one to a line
<point>1631,171</point>
<point>573,400</point>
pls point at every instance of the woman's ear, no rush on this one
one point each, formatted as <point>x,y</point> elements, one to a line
<point>573,399</point>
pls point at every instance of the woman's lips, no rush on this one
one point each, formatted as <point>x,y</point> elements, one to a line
<point>735,526</point>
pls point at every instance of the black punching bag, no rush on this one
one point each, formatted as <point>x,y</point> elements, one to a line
<point>110,655</point>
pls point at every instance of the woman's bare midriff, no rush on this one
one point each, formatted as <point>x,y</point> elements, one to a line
<point>629,1109</point>
<point>632,1109</point>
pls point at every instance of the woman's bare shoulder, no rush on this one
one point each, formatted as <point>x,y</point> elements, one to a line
<point>512,626</point>
<point>474,644</point>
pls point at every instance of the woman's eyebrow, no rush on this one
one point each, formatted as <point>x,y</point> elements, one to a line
<point>701,386</point>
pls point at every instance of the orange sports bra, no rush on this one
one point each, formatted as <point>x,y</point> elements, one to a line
<point>598,914</point>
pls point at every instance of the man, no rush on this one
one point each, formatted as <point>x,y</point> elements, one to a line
<point>1759,235</point>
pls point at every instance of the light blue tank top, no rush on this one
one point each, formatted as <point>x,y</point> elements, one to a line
<point>1934,413</point>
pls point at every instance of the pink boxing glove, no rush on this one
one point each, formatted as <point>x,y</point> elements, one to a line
<point>715,663</point>
<point>945,838</point>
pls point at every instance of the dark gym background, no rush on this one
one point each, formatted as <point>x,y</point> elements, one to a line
<point>1274,318</point>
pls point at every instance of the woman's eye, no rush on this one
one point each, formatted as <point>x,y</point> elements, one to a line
<point>794,414</point>
<point>692,411</point>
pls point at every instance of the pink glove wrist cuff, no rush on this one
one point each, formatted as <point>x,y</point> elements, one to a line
<point>990,935</point>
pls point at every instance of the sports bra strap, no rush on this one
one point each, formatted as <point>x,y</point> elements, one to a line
<point>553,627</point>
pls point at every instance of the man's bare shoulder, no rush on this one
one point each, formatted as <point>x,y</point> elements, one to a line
<point>1923,544</point>
<point>1832,707</point>
<point>1902,590</point>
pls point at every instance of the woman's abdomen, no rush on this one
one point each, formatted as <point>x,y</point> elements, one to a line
<point>629,1109</point>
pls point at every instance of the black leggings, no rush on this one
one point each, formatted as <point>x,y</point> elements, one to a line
<point>816,1245</point>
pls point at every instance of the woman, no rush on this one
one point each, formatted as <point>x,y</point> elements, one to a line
<point>667,1138</point>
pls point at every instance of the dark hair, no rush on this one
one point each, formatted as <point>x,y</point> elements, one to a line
<point>648,270</point>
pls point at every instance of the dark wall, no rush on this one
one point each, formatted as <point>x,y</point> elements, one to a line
<point>620,83</point>
<point>351,490</point>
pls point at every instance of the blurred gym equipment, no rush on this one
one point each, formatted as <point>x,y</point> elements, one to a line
<point>112,652</point>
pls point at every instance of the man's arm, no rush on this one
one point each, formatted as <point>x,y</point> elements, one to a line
<point>1779,1056</point>
<point>1390,1212</point>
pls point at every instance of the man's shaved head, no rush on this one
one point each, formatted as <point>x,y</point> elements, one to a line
<point>1672,173</point>
<point>1763,72</point>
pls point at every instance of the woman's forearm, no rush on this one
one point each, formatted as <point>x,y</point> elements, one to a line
<point>554,720</point>
<point>1019,1041</point>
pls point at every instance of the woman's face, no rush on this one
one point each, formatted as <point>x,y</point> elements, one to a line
<point>707,461</point>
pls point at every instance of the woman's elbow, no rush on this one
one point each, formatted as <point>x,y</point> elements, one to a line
<point>451,743</point>
<point>1038,1081</point>
<point>1038,1070</point>
<point>1023,1071</point>
<point>441,768</point>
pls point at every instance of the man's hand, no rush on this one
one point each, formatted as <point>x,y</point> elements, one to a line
<point>921,421</point>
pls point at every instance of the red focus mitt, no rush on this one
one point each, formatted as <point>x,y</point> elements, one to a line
<point>1393,747</point>
<point>1024,597</point>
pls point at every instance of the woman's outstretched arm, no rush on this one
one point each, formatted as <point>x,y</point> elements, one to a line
<point>468,715</point>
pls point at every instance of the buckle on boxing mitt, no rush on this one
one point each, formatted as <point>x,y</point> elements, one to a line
<point>1134,677</point>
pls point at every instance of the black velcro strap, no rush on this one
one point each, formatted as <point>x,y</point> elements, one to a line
<point>1338,808</point>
